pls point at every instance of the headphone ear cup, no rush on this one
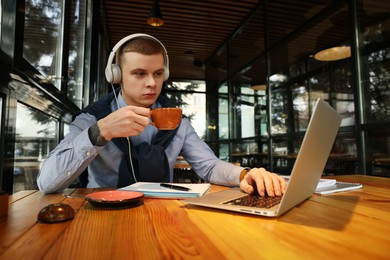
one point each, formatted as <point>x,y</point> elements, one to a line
<point>108,74</point>
<point>116,74</point>
<point>166,73</point>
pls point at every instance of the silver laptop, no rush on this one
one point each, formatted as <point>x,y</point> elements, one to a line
<point>309,165</point>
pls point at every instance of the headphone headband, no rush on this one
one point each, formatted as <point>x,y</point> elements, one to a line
<point>113,72</point>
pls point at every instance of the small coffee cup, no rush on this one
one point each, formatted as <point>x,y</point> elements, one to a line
<point>166,118</point>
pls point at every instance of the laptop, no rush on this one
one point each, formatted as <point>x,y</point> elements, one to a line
<point>308,167</point>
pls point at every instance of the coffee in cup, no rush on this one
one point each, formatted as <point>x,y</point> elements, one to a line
<point>166,118</point>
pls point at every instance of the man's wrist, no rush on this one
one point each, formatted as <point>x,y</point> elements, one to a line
<point>94,135</point>
<point>244,172</point>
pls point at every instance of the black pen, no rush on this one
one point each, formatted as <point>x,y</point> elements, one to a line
<point>174,187</point>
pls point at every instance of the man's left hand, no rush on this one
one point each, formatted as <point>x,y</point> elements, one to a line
<point>264,182</point>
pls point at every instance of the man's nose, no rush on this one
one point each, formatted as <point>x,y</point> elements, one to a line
<point>151,81</point>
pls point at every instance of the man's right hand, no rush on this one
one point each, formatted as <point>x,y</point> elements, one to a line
<point>124,122</point>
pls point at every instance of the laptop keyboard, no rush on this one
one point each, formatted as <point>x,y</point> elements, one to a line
<point>257,201</point>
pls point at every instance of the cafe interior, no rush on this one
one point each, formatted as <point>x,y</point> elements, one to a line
<point>246,73</point>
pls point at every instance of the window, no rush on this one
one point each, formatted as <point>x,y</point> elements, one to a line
<point>1,114</point>
<point>247,116</point>
<point>76,52</point>
<point>66,129</point>
<point>191,97</point>
<point>376,75</point>
<point>36,136</point>
<point>223,112</point>
<point>279,108</point>
<point>43,37</point>
<point>1,17</point>
<point>300,99</point>
<point>379,145</point>
<point>375,30</point>
<point>261,113</point>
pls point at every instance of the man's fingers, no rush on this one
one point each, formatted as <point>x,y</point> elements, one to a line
<point>247,188</point>
<point>264,182</point>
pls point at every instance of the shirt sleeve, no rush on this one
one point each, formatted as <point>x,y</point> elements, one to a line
<point>70,158</point>
<point>204,162</point>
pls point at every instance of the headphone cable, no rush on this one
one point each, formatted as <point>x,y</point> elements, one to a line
<point>127,138</point>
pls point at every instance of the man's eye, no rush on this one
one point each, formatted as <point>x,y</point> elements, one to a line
<point>140,74</point>
<point>158,74</point>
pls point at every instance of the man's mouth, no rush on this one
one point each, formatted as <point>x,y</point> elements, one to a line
<point>150,94</point>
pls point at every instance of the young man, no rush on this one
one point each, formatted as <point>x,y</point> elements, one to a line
<point>114,139</point>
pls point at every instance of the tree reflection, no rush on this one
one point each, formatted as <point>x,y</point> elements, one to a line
<point>377,82</point>
<point>36,136</point>
<point>42,37</point>
<point>176,94</point>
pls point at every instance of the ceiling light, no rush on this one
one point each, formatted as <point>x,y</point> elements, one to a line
<point>332,54</point>
<point>262,87</point>
<point>155,17</point>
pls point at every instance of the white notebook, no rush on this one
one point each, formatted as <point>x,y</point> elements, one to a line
<point>338,187</point>
<point>155,190</point>
<point>321,183</point>
<point>327,186</point>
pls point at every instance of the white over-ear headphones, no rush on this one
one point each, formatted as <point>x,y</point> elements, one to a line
<point>113,71</point>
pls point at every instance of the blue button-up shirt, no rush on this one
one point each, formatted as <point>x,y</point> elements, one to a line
<point>75,152</point>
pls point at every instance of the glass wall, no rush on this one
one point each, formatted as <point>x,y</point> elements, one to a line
<point>2,103</point>
<point>43,38</point>
<point>77,44</point>
<point>46,73</point>
<point>374,21</point>
<point>50,79</point>
<point>356,85</point>
<point>1,17</point>
<point>241,109</point>
<point>1,114</point>
<point>379,149</point>
<point>376,61</point>
<point>36,136</point>
<point>223,112</point>
<point>191,97</point>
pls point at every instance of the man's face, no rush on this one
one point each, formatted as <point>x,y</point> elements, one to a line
<point>142,78</point>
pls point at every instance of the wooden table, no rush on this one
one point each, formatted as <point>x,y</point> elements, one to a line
<point>353,224</point>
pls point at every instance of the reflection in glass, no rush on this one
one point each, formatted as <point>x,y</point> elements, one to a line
<point>217,66</point>
<point>261,112</point>
<point>191,97</point>
<point>301,110</point>
<point>1,114</point>
<point>247,109</point>
<point>377,85</point>
<point>246,45</point>
<point>344,105</point>
<point>76,52</point>
<point>66,129</point>
<point>42,42</point>
<point>223,113</point>
<point>1,17</point>
<point>374,21</point>
<point>334,86</point>
<point>343,158</point>
<point>36,136</point>
<point>379,146</point>
<point>193,85</point>
<point>279,108</point>
<point>224,151</point>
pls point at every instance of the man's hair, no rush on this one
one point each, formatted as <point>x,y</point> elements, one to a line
<point>143,46</point>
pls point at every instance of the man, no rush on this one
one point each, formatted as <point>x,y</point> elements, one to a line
<point>114,139</point>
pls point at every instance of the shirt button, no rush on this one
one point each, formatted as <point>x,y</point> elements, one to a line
<point>69,173</point>
<point>88,153</point>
